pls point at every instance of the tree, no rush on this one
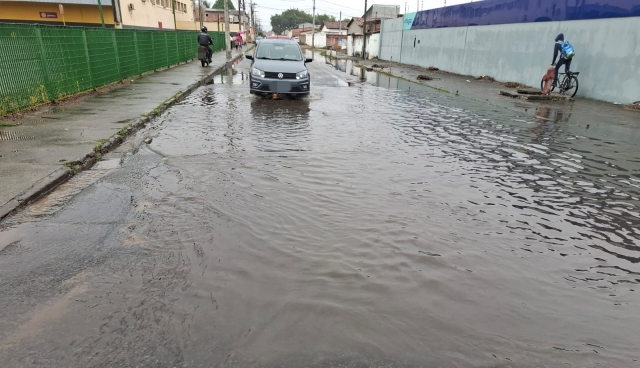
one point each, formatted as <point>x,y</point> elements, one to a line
<point>205,4</point>
<point>324,18</point>
<point>219,4</point>
<point>289,19</point>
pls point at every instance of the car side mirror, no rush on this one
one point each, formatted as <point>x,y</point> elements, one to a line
<point>249,57</point>
<point>307,60</point>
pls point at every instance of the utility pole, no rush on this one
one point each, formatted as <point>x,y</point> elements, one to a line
<point>173,6</point>
<point>364,32</point>
<point>200,11</point>
<point>245,22</point>
<point>227,34</point>
<point>313,30</point>
<point>239,17</point>
<point>340,30</point>
<point>253,20</point>
<point>101,13</point>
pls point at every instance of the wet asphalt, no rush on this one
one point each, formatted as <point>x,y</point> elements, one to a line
<point>376,223</point>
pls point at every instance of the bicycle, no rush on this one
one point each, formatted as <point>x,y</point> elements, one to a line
<point>569,84</point>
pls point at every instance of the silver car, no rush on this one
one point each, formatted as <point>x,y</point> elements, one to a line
<point>279,67</point>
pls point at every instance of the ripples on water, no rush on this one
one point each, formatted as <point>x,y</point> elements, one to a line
<point>373,220</point>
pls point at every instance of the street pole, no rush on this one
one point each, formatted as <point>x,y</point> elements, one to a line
<point>313,30</point>
<point>101,13</point>
<point>364,32</point>
<point>253,20</point>
<point>175,24</point>
<point>227,34</point>
<point>239,17</point>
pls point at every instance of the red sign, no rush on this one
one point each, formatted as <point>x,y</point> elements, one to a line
<point>159,25</point>
<point>48,15</point>
<point>61,9</point>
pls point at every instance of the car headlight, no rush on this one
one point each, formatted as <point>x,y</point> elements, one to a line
<point>302,74</point>
<point>257,72</point>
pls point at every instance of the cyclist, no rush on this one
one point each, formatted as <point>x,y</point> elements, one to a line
<point>562,61</point>
<point>205,40</point>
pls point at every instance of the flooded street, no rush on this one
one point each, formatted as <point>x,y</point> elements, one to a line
<point>375,223</point>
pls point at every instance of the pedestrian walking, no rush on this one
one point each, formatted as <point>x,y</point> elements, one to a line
<point>233,41</point>
<point>240,41</point>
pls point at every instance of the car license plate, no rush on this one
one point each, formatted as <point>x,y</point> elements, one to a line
<point>282,87</point>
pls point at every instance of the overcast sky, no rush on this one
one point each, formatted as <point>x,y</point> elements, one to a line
<point>349,8</point>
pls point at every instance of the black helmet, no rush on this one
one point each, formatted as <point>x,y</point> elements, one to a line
<point>203,29</point>
<point>560,37</point>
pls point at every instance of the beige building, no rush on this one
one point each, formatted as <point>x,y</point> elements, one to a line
<point>214,20</point>
<point>159,14</point>
<point>154,14</point>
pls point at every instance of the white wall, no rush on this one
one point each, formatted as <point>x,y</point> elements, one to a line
<point>373,45</point>
<point>354,45</point>
<point>607,52</point>
<point>320,39</point>
<point>391,37</point>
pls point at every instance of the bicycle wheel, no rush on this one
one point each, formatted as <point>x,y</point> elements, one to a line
<point>571,86</point>
<point>542,86</point>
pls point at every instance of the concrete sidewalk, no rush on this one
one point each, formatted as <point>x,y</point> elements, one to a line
<point>34,152</point>
<point>590,112</point>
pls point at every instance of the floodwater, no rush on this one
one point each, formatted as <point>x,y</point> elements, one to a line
<point>362,226</point>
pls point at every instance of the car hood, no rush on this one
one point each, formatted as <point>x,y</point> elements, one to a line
<point>279,66</point>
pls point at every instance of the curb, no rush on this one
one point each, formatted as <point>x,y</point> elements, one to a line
<point>61,175</point>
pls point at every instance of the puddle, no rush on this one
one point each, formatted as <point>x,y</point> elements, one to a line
<point>109,164</point>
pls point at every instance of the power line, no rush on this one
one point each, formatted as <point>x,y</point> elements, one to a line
<point>341,6</point>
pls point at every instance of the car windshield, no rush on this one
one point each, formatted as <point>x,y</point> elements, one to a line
<point>270,51</point>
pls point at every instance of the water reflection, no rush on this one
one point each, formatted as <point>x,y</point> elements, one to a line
<point>280,124</point>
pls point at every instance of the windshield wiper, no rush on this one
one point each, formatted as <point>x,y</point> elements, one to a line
<point>264,58</point>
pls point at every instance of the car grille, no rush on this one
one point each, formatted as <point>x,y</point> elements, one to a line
<point>275,75</point>
<point>265,88</point>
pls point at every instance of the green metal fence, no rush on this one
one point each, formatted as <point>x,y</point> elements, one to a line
<point>40,64</point>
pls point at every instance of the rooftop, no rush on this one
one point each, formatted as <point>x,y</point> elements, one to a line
<point>335,25</point>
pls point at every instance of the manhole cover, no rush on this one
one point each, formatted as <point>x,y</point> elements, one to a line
<point>13,136</point>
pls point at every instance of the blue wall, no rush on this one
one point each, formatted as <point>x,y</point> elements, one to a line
<point>523,11</point>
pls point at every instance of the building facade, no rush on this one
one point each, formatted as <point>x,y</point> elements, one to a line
<point>58,12</point>
<point>214,20</point>
<point>154,14</point>
<point>383,11</point>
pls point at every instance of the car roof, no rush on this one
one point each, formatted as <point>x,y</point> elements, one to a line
<point>279,40</point>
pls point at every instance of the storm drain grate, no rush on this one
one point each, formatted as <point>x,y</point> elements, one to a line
<point>13,136</point>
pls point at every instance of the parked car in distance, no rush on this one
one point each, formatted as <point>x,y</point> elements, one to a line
<point>279,36</point>
<point>279,66</point>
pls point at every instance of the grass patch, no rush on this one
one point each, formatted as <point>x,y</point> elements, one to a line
<point>5,125</point>
<point>123,132</point>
